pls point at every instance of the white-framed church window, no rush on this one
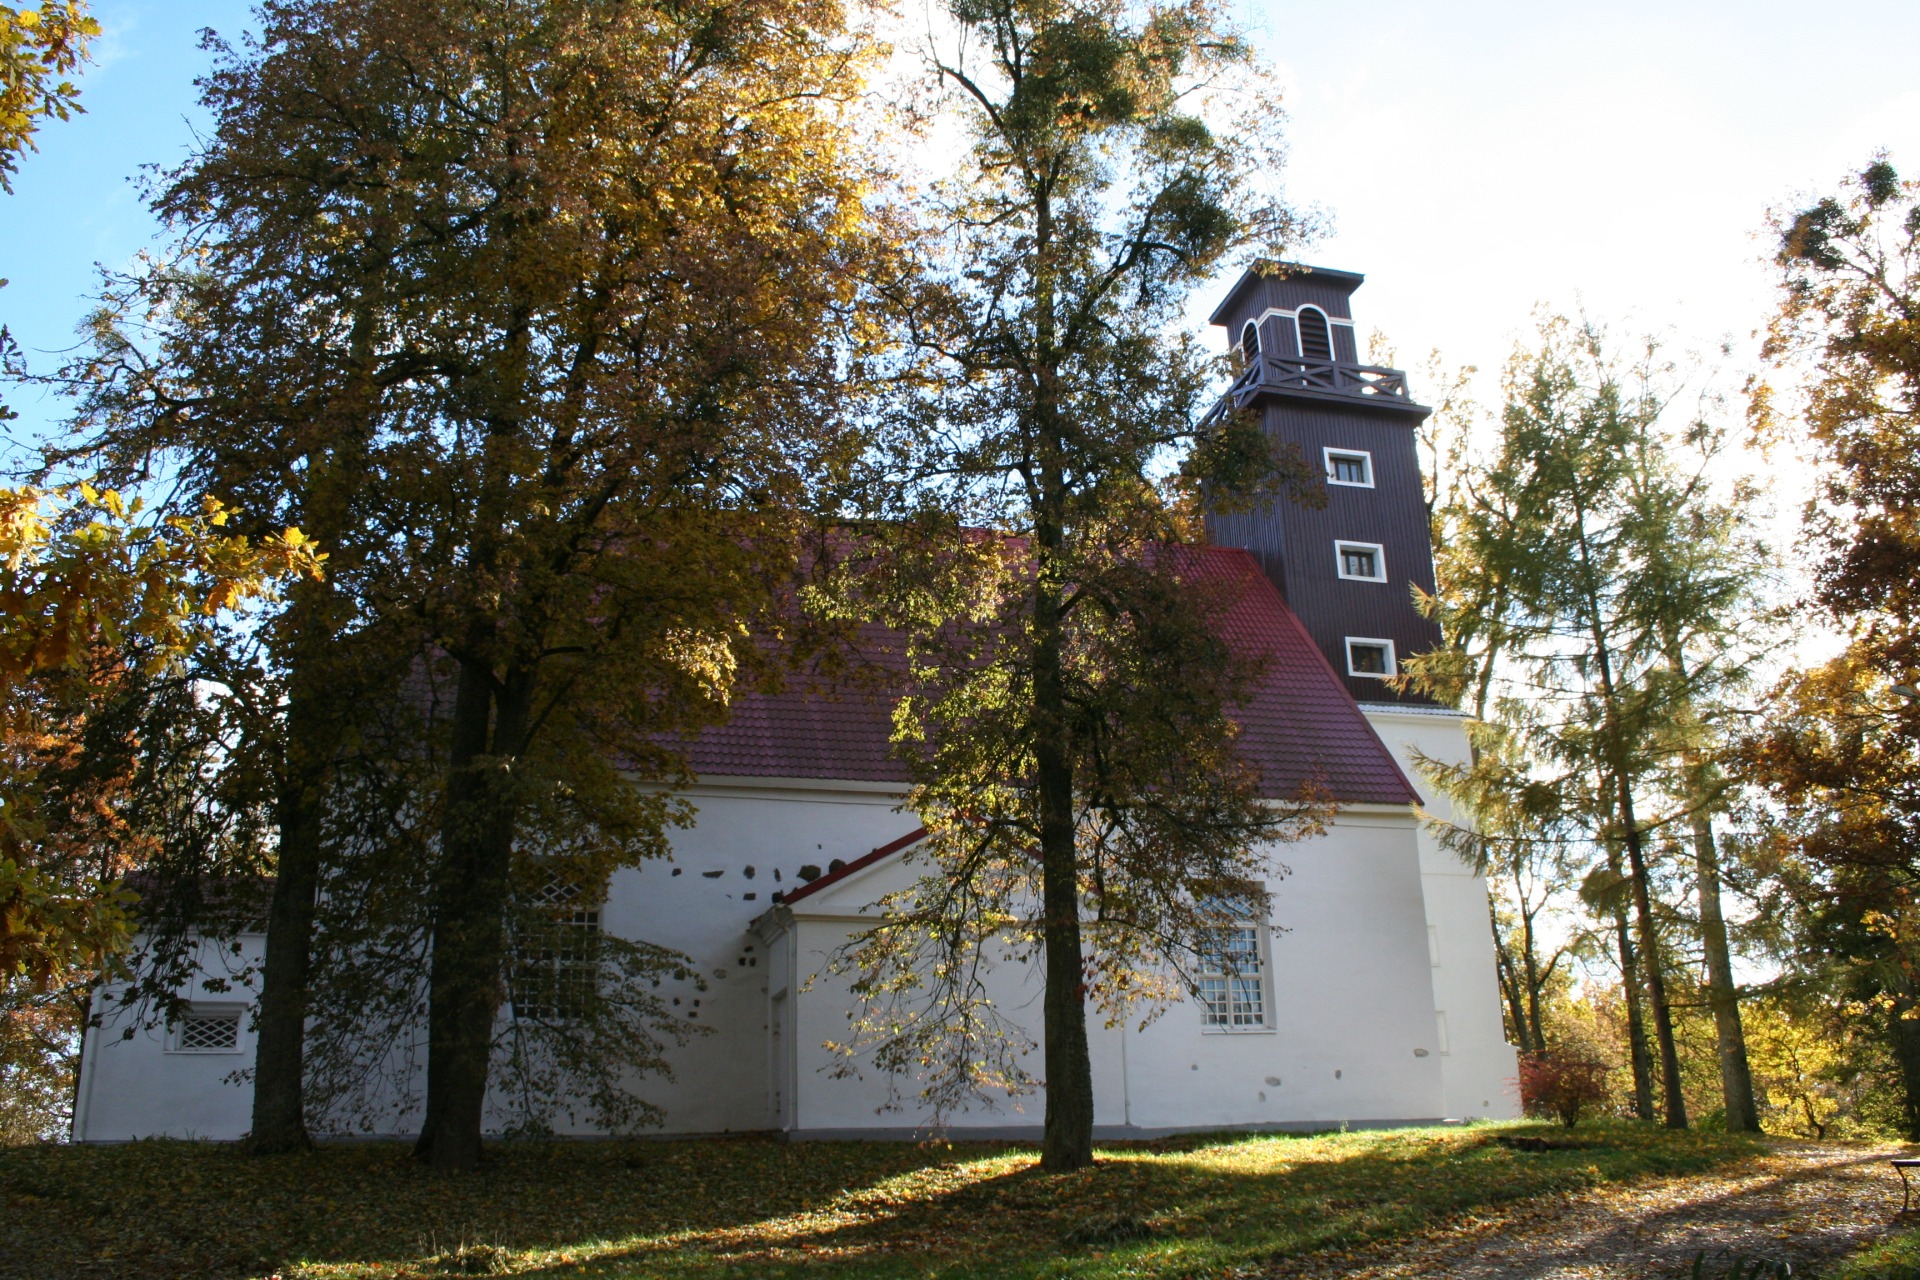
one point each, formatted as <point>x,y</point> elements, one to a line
<point>1231,974</point>
<point>1350,467</point>
<point>1361,561</point>
<point>1370,656</point>
<point>1250,342</point>
<point>207,1028</point>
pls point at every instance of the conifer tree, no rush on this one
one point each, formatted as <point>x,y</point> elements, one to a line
<point>1591,558</point>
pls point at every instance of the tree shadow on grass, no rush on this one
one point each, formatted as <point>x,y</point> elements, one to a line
<point>1198,1205</point>
<point>767,1208</point>
<point>179,1209</point>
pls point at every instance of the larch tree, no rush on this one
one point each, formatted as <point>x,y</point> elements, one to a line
<point>1591,559</point>
<point>1070,714</point>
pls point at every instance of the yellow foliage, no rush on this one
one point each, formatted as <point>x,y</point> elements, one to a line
<point>38,48</point>
<point>79,570</point>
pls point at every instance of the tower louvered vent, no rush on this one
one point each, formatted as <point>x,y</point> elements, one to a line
<point>1316,339</point>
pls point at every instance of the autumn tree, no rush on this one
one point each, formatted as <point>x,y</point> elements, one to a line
<point>578,284</point>
<point>1840,750</point>
<point>81,572</point>
<point>1070,721</point>
<point>103,692</point>
<point>263,359</point>
<point>39,48</point>
<point>1840,757</point>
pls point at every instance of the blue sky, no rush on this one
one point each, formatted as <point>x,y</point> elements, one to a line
<point>1476,158</point>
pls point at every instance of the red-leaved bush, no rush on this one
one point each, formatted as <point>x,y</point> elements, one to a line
<point>1560,1083</point>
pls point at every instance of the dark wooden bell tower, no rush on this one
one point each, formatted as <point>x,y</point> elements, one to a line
<point>1346,570</point>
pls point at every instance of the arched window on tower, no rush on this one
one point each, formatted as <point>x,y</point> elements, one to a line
<point>1250,343</point>
<point>1316,338</point>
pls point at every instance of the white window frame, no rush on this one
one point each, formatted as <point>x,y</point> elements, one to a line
<point>1393,659</point>
<point>1329,453</point>
<point>200,1009</point>
<point>1263,984</point>
<point>1259,343</point>
<point>1340,548</point>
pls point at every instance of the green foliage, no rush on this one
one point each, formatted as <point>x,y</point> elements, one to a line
<point>1599,586</point>
<point>1895,1259</point>
<point>1069,720</point>
<point>553,318</point>
<point>665,1210</point>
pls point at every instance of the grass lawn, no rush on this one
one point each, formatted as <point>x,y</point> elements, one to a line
<point>1895,1259</point>
<point>1217,1206</point>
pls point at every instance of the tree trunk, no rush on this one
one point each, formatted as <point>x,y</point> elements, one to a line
<point>1650,957</point>
<point>1723,995</point>
<point>336,470</point>
<point>1613,740</point>
<point>1904,1036</point>
<point>279,1064</point>
<point>1068,1140</point>
<point>1536,1018</point>
<point>1510,985</point>
<point>470,898</point>
<point>1636,1023</point>
<point>1736,1076</point>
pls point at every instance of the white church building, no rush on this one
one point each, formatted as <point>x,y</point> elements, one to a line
<point>1368,997</point>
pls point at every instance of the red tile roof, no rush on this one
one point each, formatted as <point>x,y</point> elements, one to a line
<point>860,863</point>
<point>1299,725</point>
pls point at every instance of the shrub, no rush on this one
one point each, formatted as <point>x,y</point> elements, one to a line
<point>1558,1083</point>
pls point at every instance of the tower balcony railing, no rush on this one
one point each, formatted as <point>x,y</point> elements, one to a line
<point>1319,377</point>
<point>1293,373</point>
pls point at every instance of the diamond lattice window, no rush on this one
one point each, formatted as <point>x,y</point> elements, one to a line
<point>206,1031</point>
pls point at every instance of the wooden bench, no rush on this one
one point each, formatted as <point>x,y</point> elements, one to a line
<point>1906,1187</point>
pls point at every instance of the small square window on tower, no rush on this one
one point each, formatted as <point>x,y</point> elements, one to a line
<point>1352,467</point>
<point>1369,657</point>
<point>1360,561</point>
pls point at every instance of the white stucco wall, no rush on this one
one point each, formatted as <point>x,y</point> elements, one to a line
<point>704,904</point>
<point>1350,1036</point>
<point>1355,991</point>
<point>1479,1066</point>
<point>140,1085</point>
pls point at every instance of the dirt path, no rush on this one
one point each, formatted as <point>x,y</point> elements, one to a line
<point>1805,1203</point>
